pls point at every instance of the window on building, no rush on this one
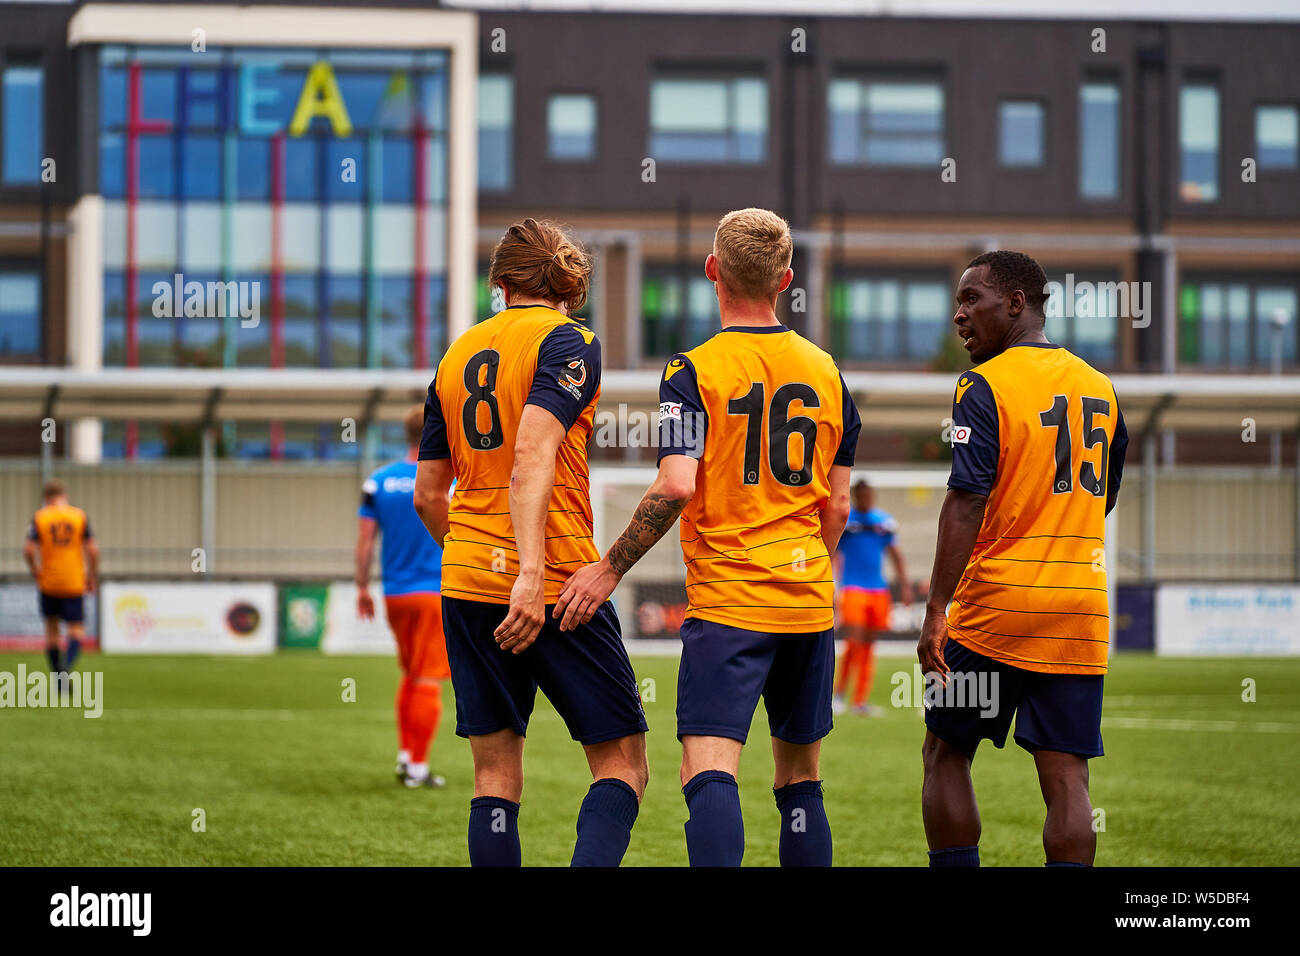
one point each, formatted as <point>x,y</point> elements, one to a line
<point>678,311</point>
<point>882,316</point>
<point>320,218</point>
<point>1228,320</point>
<point>1099,140</point>
<point>571,126</point>
<point>23,143</point>
<point>1198,140</point>
<point>20,314</point>
<point>496,122</point>
<point>887,121</point>
<point>1020,133</point>
<point>1277,137</point>
<point>488,299</point>
<point>708,119</point>
<point>1083,310</point>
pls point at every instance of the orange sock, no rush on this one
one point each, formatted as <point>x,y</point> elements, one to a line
<point>848,664</point>
<point>423,710</point>
<point>866,673</point>
<point>403,730</point>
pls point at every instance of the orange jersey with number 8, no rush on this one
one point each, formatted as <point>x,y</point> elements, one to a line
<point>521,356</point>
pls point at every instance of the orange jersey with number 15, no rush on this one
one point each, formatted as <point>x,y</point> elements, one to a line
<point>1039,431</point>
<point>767,414</point>
<point>524,355</point>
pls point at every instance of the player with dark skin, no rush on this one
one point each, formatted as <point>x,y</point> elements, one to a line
<point>988,322</point>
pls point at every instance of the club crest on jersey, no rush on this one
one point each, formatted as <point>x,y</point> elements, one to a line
<point>961,434</point>
<point>574,378</point>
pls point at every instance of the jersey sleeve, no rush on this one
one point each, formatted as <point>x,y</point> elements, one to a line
<point>848,449</point>
<point>33,534</point>
<point>367,509</point>
<point>1115,463</point>
<point>975,443</point>
<point>433,441</point>
<point>86,533</point>
<point>683,421</point>
<point>568,373</point>
<point>888,530</point>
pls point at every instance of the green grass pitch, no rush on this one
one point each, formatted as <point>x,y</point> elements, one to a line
<point>288,773</point>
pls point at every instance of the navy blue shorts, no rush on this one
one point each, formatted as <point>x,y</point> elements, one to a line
<point>70,609</point>
<point>725,669</point>
<point>1053,711</point>
<point>584,673</point>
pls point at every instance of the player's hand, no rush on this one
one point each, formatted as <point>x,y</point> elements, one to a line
<point>365,604</point>
<point>91,585</point>
<point>584,593</point>
<point>526,616</point>
<point>929,648</point>
<point>905,593</point>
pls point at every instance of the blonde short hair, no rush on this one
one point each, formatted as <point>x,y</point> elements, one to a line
<point>753,247</point>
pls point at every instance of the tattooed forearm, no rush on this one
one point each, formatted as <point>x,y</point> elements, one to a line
<point>654,516</point>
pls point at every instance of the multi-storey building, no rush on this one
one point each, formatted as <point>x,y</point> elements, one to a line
<point>325,164</point>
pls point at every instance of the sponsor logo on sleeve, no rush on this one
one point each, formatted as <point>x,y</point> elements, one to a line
<point>574,377</point>
<point>670,410</point>
<point>961,434</point>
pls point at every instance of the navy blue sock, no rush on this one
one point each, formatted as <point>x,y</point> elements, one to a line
<point>493,832</point>
<point>1064,863</point>
<point>605,823</point>
<point>52,655</point>
<point>74,648</point>
<point>956,856</point>
<point>715,833</point>
<point>805,831</point>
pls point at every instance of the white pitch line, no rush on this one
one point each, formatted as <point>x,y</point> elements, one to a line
<point>1218,726</point>
<point>215,714</point>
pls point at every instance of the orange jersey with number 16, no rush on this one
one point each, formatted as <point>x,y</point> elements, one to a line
<point>524,355</point>
<point>767,414</point>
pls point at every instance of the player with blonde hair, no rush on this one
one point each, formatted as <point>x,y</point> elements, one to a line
<point>757,439</point>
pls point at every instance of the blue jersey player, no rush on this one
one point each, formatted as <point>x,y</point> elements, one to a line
<point>865,600</point>
<point>412,574</point>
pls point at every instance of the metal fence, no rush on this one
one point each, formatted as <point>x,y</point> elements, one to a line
<point>287,521</point>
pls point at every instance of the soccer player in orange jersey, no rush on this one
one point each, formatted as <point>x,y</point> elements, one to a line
<point>509,416</point>
<point>63,556</point>
<point>1017,620</point>
<point>757,439</point>
<point>411,565</point>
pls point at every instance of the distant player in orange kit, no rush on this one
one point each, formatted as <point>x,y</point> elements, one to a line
<point>63,556</point>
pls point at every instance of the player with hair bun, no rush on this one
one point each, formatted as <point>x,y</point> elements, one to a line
<point>509,416</point>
